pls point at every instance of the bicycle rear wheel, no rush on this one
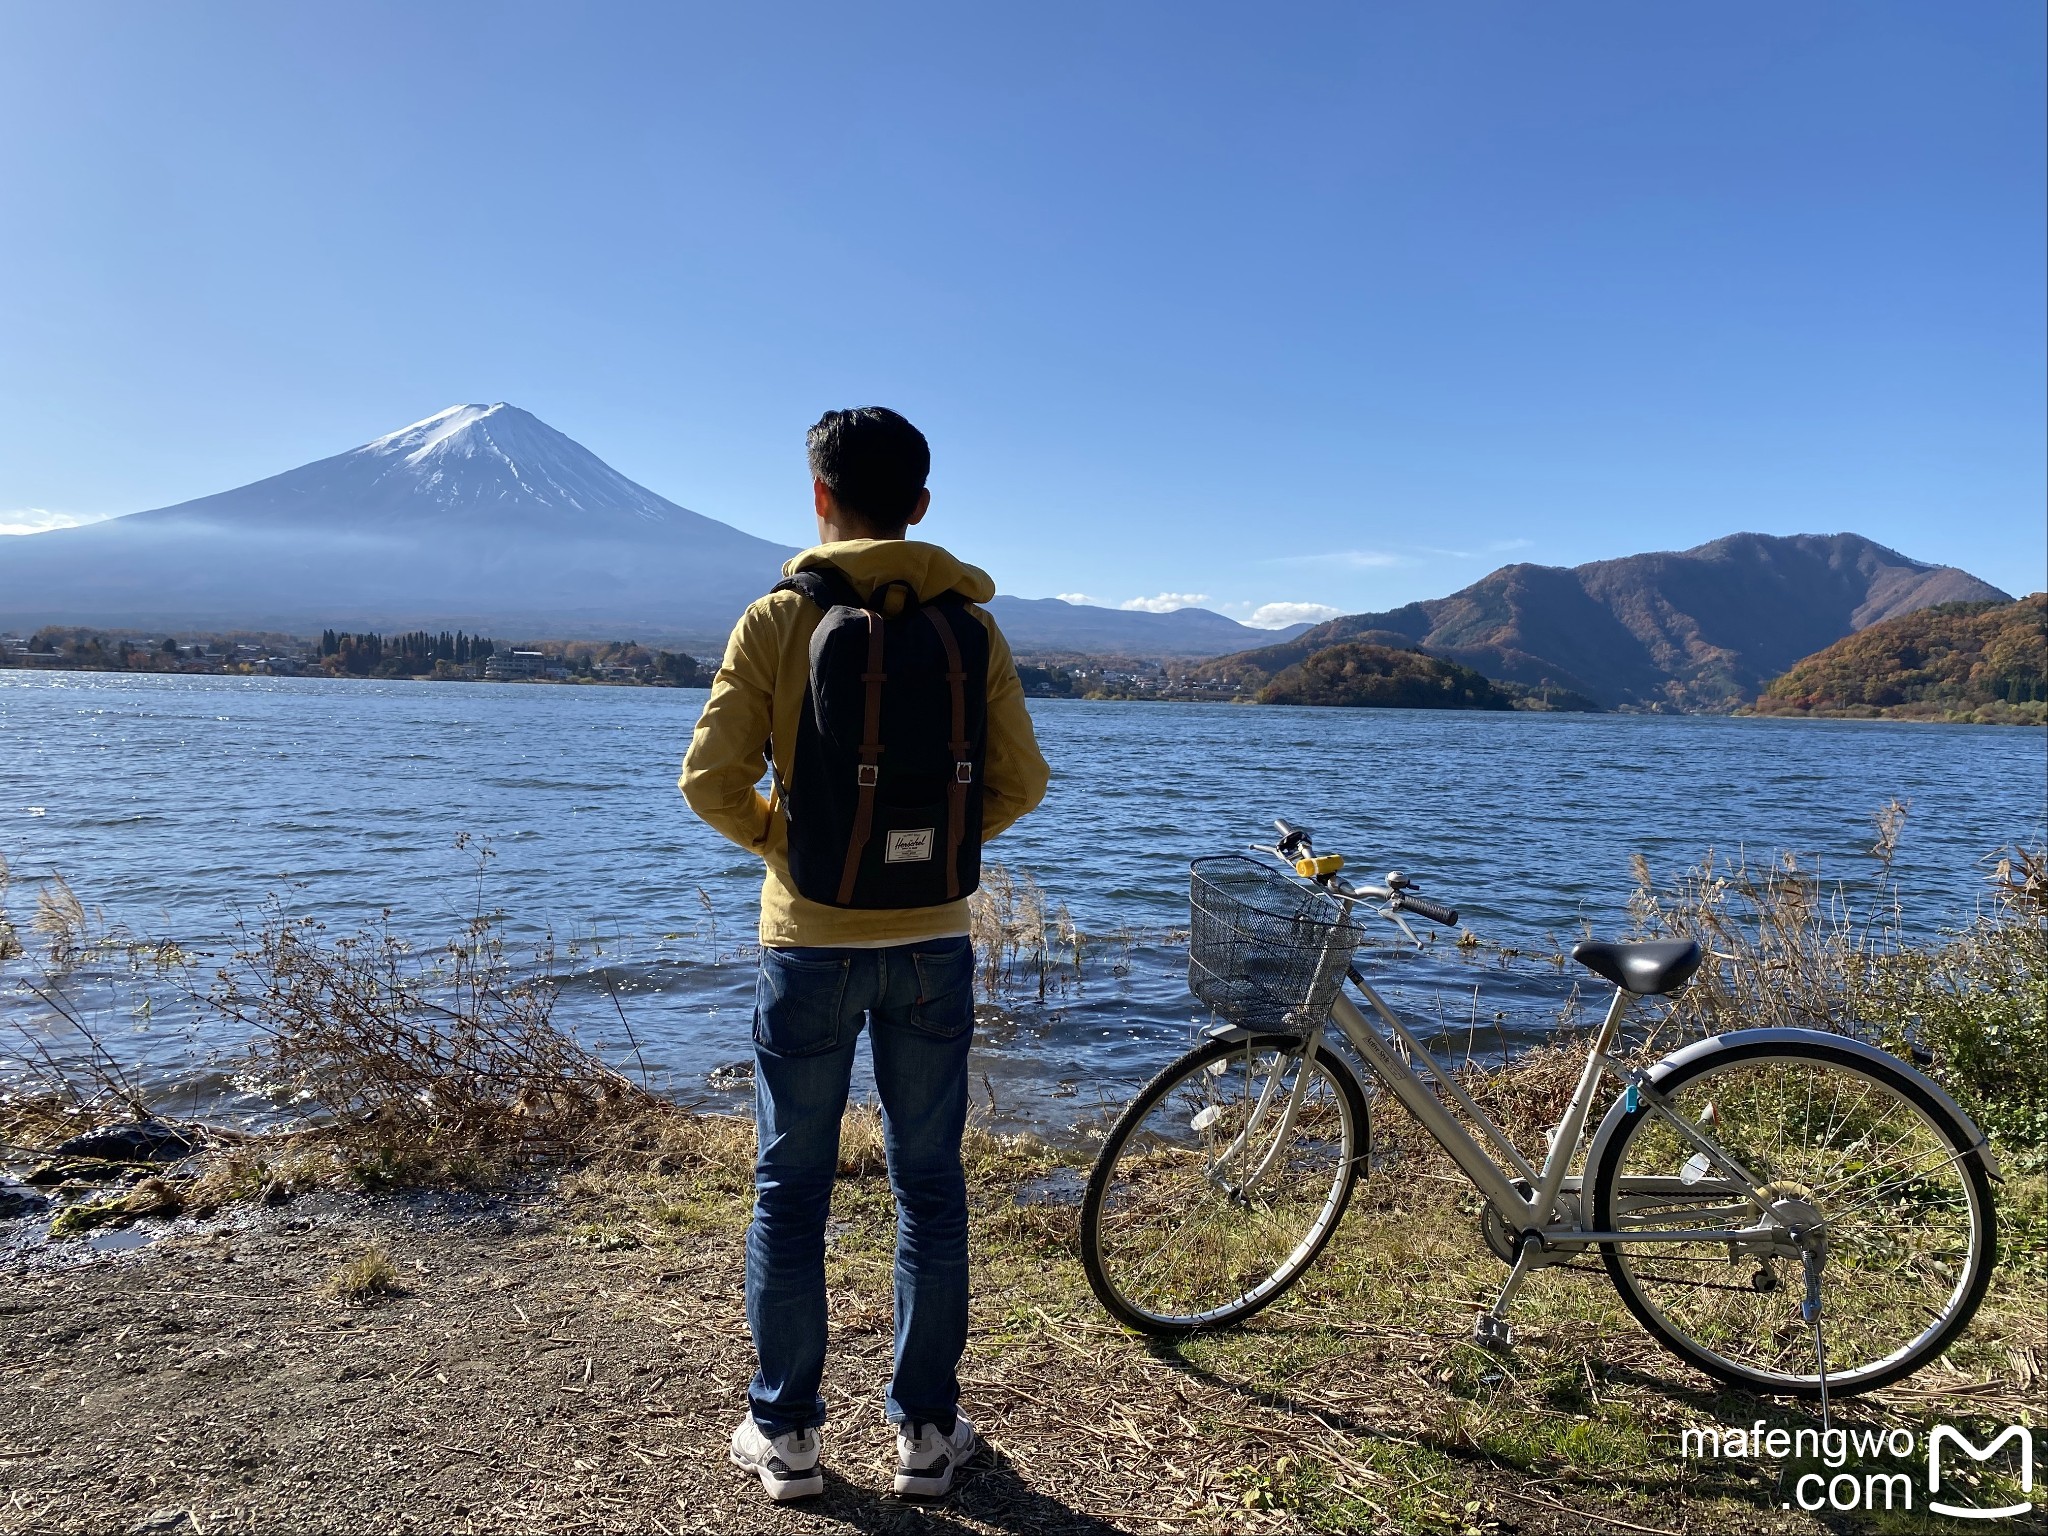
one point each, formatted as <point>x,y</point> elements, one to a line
<point>1219,1185</point>
<point>1901,1200</point>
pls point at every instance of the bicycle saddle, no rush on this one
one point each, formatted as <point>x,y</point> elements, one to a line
<point>1664,965</point>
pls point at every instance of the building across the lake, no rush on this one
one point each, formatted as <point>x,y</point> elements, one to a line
<point>510,666</point>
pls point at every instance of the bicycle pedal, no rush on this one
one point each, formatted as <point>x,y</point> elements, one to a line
<point>1492,1333</point>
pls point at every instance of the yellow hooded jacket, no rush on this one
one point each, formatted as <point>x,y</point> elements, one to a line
<point>751,720</point>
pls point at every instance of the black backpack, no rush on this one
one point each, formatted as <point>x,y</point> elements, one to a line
<point>884,796</point>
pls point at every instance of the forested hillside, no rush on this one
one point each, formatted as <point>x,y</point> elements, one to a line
<point>1958,661</point>
<point>1380,676</point>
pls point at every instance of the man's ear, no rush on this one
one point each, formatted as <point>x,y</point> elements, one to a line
<point>924,505</point>
<point>822,498</point>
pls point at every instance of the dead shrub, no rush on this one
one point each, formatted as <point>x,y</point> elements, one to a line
<point>421,1057</point>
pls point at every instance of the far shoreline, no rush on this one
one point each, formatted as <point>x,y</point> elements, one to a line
<point>1619,712</point>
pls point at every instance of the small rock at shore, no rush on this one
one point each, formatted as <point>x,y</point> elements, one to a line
<point>141,1141</point>
<point>67,1170</point>
<point>152,1197</point>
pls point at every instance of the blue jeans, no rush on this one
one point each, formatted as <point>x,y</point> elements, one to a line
<point>918,1003</point>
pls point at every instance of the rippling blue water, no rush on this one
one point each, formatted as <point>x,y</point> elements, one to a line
<point>172,802</point>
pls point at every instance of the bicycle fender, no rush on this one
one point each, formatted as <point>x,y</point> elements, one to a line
<point>1236,1034</point>
<point>1944,1105</point>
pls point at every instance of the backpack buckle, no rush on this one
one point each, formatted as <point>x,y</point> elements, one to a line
<point>868,775</point>
<point>963,773</point>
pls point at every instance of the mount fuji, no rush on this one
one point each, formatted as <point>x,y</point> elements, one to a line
<point>483,517</point>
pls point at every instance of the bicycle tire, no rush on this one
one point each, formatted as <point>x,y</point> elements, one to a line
<point>1624,1261</point>
<point>1349,1106</point>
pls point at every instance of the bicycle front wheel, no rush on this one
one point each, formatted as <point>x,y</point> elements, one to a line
<point>1902,1201</point>
<point>1221,1182</point>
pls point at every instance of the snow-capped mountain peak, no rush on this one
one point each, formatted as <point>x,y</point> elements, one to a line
<point>501,459</point>
<point>423,436</point>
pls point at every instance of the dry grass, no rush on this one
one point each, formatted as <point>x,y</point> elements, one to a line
<point>31,1122</point>
<point>1787,943</point>
<point>370,1276</point>
<point>1788,948</point>
<point>10,941</point>
<point>1027,944</point>
<point>1022,941</point>
<point>447,1056</point>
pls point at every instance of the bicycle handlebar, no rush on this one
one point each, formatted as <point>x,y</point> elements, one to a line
<point>1422,906</point>
<point>1398,893</point>
<point>1294,841</point>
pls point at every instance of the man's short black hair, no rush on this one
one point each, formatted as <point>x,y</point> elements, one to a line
<point>873,462</point>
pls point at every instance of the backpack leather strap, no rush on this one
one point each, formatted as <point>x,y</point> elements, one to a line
<point>870,770</point>
<point>825,585</point>
<point>963,765</point>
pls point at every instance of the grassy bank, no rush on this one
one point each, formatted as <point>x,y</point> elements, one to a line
<point>567,1352</point>
<point>495,1283</point>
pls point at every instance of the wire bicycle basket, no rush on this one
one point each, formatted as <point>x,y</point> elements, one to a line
<point>1264,951</point>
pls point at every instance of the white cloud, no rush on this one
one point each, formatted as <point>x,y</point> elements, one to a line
<point>1497,547</point>
<point>1077,597</point>
<point>1280,615</point>
<point>42,520</point>
<point>1346,559</point>
<point>1165,602</point>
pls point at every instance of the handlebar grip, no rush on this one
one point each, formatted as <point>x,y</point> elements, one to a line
<point>1422,906</point>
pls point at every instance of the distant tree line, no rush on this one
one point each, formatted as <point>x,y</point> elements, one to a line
<point>414,654</point>
<point>448,655</point>
<point>1045,682</point>
<point>80,649</point>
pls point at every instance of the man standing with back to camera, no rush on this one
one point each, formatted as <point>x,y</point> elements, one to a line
<point>887,708</point>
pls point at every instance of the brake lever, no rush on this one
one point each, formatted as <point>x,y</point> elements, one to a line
<point>1393,916</point>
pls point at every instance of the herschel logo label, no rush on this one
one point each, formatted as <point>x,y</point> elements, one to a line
<point>911,847</point>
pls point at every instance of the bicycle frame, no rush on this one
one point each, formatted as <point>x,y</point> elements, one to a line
<point>1530,1217</point>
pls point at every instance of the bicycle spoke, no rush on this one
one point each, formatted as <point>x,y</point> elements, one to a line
<point>1213,1194</point>
<point>1853,1162</point>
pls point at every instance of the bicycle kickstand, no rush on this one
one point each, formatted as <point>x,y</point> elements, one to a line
<point>1490,1330</point>
<point>1809,1312</point>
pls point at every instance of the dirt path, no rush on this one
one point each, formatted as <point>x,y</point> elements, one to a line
<point>572,1359</point>
<point>518,1382</point>
<point>521,1381</point>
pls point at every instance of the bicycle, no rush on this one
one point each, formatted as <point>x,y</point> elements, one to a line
<point>1791,1211</point>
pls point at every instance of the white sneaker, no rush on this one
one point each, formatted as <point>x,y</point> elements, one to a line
<point>787,1464</point>
<point>927,1461</point>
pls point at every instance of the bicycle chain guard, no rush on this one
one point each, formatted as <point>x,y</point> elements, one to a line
<point>1501,1242</point>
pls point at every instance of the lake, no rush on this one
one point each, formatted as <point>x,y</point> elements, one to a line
<point>173,803</point>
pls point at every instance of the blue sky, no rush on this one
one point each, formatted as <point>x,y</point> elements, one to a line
<point>1334,306</point>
